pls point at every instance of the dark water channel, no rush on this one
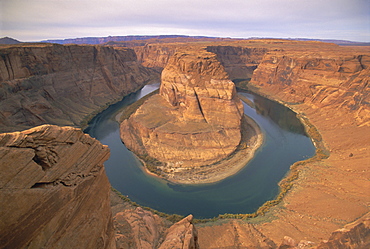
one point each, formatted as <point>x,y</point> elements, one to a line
<point>285,143</point>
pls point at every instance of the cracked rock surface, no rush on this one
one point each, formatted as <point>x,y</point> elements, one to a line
<point>54,190</point>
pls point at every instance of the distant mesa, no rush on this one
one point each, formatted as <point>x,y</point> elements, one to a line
<point>142,39</point>
<point>9,41</point>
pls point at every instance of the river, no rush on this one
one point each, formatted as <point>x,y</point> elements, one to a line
<point>285,142</point>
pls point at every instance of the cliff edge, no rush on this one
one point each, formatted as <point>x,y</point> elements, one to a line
<point>54,191</point>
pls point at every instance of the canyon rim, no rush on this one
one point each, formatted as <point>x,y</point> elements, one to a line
<point>60,169</point>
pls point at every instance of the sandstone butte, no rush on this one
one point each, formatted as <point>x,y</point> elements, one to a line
<point>326,207</point>
<point>194,121</point>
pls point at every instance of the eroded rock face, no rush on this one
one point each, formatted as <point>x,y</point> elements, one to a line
<point>320,79</point>
<point>138,228</point>
<point>54,191</point>
<point>63,85</point>
<point>155,56</point>
<point>141,229</point>
<point>181,235</point>
<point>196,118</point>
<point>352,236</point>
<point>239,62</point>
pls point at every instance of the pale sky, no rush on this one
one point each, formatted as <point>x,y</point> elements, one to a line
<point>35,20</point>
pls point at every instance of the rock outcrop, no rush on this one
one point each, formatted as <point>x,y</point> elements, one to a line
<point>181,235</point>
<point>54,191</point>
<point>64,85</point>
<point>194,121</point>
<point>352,236</point>
<point>140,228</point>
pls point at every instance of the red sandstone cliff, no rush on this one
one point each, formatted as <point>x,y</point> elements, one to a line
<point>239,62</point>
<point>319,79</point>
<point>155,56</point>
<point>63,85</point>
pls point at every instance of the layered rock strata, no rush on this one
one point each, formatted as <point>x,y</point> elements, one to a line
<point>155,56</point>
<point>194,121</point>
<point>239,62</point>
<point>54,191</point>
<point>320,79</point>
<point>181,235</point>
<point>64,85</point>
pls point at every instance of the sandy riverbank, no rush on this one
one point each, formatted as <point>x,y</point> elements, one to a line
<point>252,139</point>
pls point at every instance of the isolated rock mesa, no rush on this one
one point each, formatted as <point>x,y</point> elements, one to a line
<point>194,121</point>
<point>54,191</point>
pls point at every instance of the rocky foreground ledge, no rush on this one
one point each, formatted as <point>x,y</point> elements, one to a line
<point>55,194</point>
<point>53,189</point>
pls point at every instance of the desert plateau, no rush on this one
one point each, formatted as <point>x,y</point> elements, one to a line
<point>54,189</point>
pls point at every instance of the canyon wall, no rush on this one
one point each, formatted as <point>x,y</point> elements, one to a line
<point>155,56</point>
<point>196,118</point>
<point>64,85</point>
<point>238,61</point>
<point>319,79</point>
<point>54,191</point>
